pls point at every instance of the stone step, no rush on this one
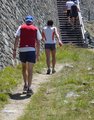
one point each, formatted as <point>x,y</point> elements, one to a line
<point>70,28</point>
<point>71,41</point>
<point>67,34</point>
<point>71,35</point>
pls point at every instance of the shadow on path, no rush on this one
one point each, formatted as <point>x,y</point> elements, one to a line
<point>19,96</point>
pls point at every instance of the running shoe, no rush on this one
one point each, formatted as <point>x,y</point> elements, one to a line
<point>48,71</point>
<point>53,71</point>
<point>25,88</point>
<point>29,92</point>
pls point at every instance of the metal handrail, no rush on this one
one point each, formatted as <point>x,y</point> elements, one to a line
<point>81,21</point>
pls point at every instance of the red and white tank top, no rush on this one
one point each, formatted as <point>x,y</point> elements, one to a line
<point>49,35</point>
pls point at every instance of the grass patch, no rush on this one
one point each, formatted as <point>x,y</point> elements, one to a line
<point>41,64</point>
<point>69,95</point>
<point>89,26</point>
<point>10,77</point>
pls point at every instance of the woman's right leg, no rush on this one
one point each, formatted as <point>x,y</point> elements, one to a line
<point>53,60</point>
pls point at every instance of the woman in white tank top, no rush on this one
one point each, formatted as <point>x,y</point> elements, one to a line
<point>48,35</point>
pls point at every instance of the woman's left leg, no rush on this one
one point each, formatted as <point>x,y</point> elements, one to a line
<point>53,52</point>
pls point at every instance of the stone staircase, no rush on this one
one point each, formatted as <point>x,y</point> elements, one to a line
<point>67,34</point>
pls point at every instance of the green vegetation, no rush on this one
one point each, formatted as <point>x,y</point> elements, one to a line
<point>10,77</point>
<point>69,95</point>
<point>41,64</point>
<point>89,26</point>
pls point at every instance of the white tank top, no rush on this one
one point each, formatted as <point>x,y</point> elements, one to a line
<point>49,33</point>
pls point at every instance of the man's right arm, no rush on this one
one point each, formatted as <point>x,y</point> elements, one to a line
<point>15,46</point>
<point>17,37</point>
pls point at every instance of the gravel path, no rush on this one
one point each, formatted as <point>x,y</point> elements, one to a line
<point>18,101</point>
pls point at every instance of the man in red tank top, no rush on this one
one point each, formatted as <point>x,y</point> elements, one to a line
<point>28,37</point>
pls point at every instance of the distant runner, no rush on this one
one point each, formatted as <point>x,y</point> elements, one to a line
<point>69,3</point>
<point>74,15</point>
<point>48,35</point>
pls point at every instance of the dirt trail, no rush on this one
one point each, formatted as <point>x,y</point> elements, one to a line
<point>18,101</point>
<point>91,49</point>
